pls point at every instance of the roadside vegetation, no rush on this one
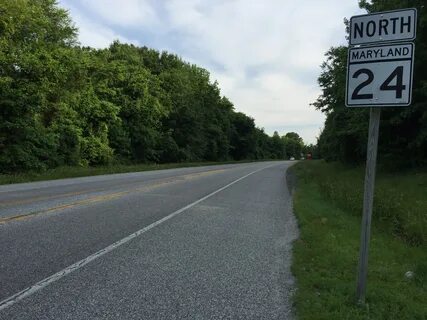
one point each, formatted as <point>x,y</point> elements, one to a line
<point>403,131</point>
<point>328,204</point>
<point>329,198</point>
<point>64,105</point>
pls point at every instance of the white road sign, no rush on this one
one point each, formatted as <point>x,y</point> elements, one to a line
<point>398,25</point>
<point>380,75</point>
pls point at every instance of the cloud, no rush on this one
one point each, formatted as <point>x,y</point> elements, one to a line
<point>93,33</point>
<point>269,53</point>
<point>266,55</point>
<point>124,13</point>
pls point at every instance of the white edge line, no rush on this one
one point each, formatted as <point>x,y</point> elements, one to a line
<point>75,266</point>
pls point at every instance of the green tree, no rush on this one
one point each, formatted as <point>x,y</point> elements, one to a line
<point>36,67</point>
<point>277,147</point>
<point>403,131</point>
<point>243,136</point>
<point>293,144</point>
<point>62,104</point>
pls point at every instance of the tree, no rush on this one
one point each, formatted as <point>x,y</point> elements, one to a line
<point>293,144</point>
<point>36,66</point>
<point>277,147</point>
<point>243,137</point>
<point>403,131</point>
<point>62,104</point>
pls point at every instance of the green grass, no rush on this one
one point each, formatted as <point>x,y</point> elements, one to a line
<point>400,202</point>
<point>73,172</point>
<point>325,256</point>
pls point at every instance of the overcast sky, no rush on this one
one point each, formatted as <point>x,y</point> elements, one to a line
<point>265,54</point>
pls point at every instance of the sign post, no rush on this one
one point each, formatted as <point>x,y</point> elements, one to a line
<point>379,74</point>
<point>368,201</point>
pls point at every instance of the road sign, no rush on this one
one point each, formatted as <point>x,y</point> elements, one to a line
<point>397,25</point>
<point>380,75</point>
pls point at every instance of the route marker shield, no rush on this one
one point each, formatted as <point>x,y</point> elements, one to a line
<point>380,76</point>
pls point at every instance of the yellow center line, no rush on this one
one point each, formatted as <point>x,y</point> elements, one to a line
<point>6,204</point>
<point>107,197</point>
<point>15,202</point>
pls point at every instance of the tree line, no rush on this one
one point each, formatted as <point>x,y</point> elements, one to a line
<point>63,104</point>
<point>403,130</point>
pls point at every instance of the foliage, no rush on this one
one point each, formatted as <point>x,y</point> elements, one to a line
<point>399,203</point>
<point>294,145</point>
<point>35,70</point>
<point>325,256</point>
<point>403,131</point>
<point>66,105</point>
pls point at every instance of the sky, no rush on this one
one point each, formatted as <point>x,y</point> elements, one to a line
<point>265,54</point>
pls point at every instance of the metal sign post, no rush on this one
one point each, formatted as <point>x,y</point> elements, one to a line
<point>378,76</point>
<point>368,200</point>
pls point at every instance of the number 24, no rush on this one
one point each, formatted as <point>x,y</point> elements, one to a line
<point>398,88</point>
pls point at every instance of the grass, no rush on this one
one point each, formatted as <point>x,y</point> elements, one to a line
<point>328,204</point>
<point>400,201</point>
<point>73,172</point>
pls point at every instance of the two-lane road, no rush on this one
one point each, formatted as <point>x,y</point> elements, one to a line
<point>194,243</point>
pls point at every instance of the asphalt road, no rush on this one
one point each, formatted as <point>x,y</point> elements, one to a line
<point>194,243</point>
